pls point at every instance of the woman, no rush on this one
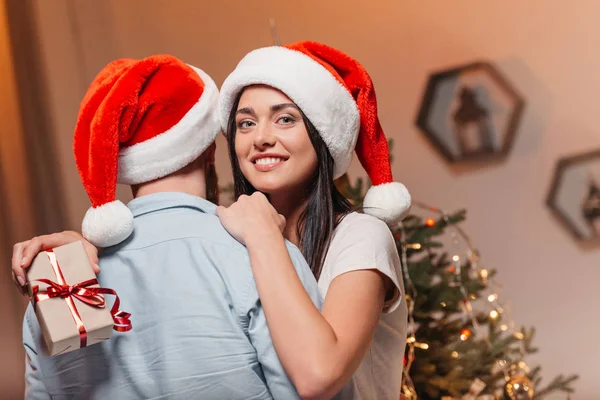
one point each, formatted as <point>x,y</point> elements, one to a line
<point>292,116</point>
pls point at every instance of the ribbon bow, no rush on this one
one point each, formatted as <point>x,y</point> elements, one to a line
<point>79,291</point>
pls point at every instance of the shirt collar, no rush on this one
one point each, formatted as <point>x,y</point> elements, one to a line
<point>161,201</point>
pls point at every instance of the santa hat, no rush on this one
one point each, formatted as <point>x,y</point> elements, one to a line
<point>336,94</point>
<point>140,120</point>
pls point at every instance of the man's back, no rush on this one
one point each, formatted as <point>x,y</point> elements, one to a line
<point>198,328</point>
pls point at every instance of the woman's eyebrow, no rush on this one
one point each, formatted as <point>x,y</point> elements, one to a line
<point>278,107</point>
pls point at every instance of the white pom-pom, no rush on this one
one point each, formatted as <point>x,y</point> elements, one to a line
<point>107,225</point>
<point>389,202</point>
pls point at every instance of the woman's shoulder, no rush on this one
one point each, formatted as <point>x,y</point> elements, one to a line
<point>358,220</point>
<point>362,227</point>
<point>363,242</point>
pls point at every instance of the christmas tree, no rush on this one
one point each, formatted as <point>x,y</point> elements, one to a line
<point>461,342</point>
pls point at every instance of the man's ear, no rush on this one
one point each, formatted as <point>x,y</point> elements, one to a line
<point>210,174</point>
<point>209,155</point>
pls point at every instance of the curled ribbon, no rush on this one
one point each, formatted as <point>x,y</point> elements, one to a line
<point>82,292</point>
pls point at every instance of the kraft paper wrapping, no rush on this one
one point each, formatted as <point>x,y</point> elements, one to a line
<point>54,316</point>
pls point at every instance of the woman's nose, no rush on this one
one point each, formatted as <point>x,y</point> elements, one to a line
<point>264,137</point>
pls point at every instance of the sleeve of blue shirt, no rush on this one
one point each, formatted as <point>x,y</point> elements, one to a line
<point>258,332</point>
<point>35,388</point>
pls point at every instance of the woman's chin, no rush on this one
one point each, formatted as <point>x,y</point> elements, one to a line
<point>281,183</point>
<point>270,188</point>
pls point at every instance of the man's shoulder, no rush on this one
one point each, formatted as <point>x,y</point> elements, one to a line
<point>193,240</point>
<point>179,224</point>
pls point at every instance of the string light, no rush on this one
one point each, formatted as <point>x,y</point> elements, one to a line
<point>468,306</point>
<point>519,335</point>
<point>406,382</point>
<point>474,272</point>
<point>465,334</point>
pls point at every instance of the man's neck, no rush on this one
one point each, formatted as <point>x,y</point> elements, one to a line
<point>186,181</point>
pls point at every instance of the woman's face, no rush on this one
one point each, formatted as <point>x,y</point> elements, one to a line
<point>272,144</point>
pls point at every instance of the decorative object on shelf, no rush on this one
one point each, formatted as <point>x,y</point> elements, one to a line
<point>574,196</point>
<point>470,113</point>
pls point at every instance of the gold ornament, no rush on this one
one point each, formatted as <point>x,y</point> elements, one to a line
<point>408,392</point>
<point>518,387</point>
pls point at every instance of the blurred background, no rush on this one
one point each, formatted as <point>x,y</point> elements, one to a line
<point>549,51</point>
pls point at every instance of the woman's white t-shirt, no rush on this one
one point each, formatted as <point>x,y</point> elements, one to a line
<point>362,242</point>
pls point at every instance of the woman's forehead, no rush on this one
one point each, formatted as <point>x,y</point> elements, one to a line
<point>262,94</point>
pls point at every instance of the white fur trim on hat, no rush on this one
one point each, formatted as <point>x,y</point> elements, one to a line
<point>323,99</point>
<point>176,147</point>
<point>388,202</point>
<point>108,224</point>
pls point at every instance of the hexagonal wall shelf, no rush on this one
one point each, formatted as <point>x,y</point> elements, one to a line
<point>470,113</point>
<point>574,196</point>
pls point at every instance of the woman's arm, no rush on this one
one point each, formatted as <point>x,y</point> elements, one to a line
<point>319,350</point>
<point>25,252</point>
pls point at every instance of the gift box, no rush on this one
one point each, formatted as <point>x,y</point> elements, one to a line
<point>68,301</point>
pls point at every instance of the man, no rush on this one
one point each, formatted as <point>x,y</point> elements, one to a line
<point>198,328</point>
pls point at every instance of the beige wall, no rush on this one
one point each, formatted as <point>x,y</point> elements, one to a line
<point>548,48</point>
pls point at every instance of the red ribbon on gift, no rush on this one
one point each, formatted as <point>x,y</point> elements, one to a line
<point>82,292</point>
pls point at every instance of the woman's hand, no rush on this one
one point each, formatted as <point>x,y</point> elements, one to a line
<point>251,217</point>
<point>25,252</point>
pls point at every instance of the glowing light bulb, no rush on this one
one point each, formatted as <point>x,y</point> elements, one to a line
<point>465,334</point>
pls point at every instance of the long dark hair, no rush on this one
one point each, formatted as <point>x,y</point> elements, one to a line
<point>326,205</point>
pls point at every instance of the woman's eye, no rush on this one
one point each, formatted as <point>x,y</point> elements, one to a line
<point>245,124</point>
<point>286,119</point>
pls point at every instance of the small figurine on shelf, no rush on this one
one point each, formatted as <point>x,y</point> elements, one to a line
<point>472,125</point>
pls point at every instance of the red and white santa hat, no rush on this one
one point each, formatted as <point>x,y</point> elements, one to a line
<point>336,94</point>
<point>140,120</point>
